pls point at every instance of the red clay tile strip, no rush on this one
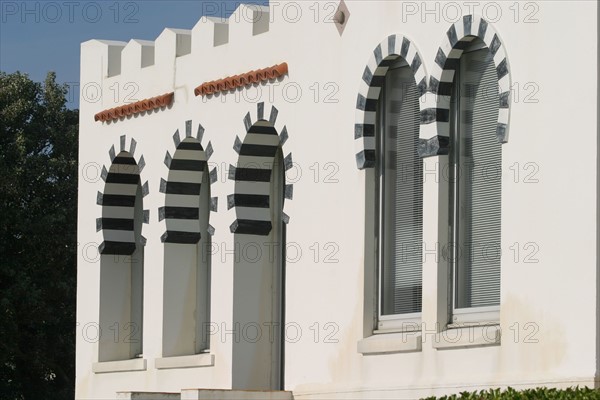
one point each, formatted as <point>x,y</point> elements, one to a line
<point>232,82</point>
<point>135,108</point>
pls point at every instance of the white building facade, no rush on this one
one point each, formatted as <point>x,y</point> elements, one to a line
<point>341,200</point>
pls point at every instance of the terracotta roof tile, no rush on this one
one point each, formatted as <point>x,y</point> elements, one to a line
<point>135,108</point>
<point>232,82</point>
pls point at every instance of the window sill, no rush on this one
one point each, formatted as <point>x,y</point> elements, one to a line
<point>402,342</point>
<point>135,364</point>
<point>468,336</point>
<point>148,395</point>
<point>193,361</point>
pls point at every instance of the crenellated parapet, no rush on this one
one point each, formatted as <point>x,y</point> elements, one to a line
<point>128,57</point>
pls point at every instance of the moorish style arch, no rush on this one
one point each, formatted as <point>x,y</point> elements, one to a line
<point>183,187</point>
<point>259,269</point>
<point>384,55</point>
<point>435,95</point>
<point>187,239</point>
<point>435,119</point>
<point>121,277</point>
<point>252,176</point>
<point>118,200</point>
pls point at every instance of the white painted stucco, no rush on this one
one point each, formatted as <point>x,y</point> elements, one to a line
<point>549,309</point>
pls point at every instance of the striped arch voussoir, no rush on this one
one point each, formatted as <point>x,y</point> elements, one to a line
<point>435,123</point>
<point>180,215</point>
<point>117,200</point>
<point>252,176</point>
<point>384,55</point>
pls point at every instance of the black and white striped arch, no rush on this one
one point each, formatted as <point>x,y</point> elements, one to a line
<point>384,55</point>
<point>182,188</point>
<point>252,175</point>
<point>435,119</point>
<point>118,201</point>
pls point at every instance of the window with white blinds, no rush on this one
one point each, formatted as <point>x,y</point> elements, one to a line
<point>475,160</point>
<point>400,189</point>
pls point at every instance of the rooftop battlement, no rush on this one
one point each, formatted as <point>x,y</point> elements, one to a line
<point>120,58</point>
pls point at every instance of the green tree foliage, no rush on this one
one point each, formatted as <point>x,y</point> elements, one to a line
<point>575,393</point>
<point>38,241</point>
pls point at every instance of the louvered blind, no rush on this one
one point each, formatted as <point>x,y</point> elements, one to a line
<point>479,158</point>
<point>402,195</point>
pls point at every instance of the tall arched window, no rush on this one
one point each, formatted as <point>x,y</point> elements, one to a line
<point>186,282</point>
<point>259,243</point>
<point>389,114</point>
<point>399,205</point>
<point>259,271</point>
<point>474,187</point>
<point>121,262</point>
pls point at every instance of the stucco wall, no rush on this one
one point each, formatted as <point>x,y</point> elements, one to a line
<point>549,208</point>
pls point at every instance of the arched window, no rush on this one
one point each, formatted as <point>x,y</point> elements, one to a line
<point>399,191</point>
<point>474,187</point>
<point>259,243</point>
<point>121,262</point>
<point>187,239</point>
<point>388,115</point>
<point>469,109</point>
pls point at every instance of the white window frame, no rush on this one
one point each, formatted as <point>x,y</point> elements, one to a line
<point>397,322</point>
<point>468,316</point>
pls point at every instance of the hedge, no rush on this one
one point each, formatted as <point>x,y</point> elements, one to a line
<point>529,394</point>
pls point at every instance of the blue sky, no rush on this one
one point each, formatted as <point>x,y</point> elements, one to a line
<point>41,36</point>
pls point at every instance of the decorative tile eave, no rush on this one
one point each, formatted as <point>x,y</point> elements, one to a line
<point>232,82</point>
<point>135,108</point>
